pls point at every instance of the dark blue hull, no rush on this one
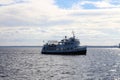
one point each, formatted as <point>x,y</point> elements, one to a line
<point>82,52</point>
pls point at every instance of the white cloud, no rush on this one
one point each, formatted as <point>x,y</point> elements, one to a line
<point>105,4</point>
<point>5,1</point>
<point>97,4</point>
<point>36,20</point>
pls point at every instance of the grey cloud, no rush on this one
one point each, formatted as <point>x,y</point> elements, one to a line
<point>57,22</point>
<point>13,2</point>
<point>13,22</point>
<point>87,13</point>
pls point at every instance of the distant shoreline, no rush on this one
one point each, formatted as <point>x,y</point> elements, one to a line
<point>86,46</point>
<point>103,46</point>
<point>20,46</point>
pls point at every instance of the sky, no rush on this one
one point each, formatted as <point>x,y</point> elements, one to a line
<point>30,22</point>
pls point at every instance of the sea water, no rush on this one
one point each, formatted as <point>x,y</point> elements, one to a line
<point>27,63</point>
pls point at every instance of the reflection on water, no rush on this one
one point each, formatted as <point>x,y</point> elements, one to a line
<point>28,63</point>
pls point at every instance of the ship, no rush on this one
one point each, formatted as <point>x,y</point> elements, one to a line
<point>66,46</point>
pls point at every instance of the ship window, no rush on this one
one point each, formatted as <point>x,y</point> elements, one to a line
<point>68,43</point>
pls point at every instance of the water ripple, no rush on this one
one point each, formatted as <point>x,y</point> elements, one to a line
<point>30,64</point>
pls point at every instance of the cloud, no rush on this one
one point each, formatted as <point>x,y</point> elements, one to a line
<point>32,13</point>
<point>5,1</point>
<point>11,2</point>
<point>33,21</point>
<point>22,35</point>
<point>98,4</point>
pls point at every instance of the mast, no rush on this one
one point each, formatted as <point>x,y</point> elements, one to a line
<point>73,34</point>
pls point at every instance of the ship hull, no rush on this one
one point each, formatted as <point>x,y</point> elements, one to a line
<point>78,52</point>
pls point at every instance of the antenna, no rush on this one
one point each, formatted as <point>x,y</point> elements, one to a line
<point>73,34</point>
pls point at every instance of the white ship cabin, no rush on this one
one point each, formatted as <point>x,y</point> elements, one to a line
<point>65,44</point>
